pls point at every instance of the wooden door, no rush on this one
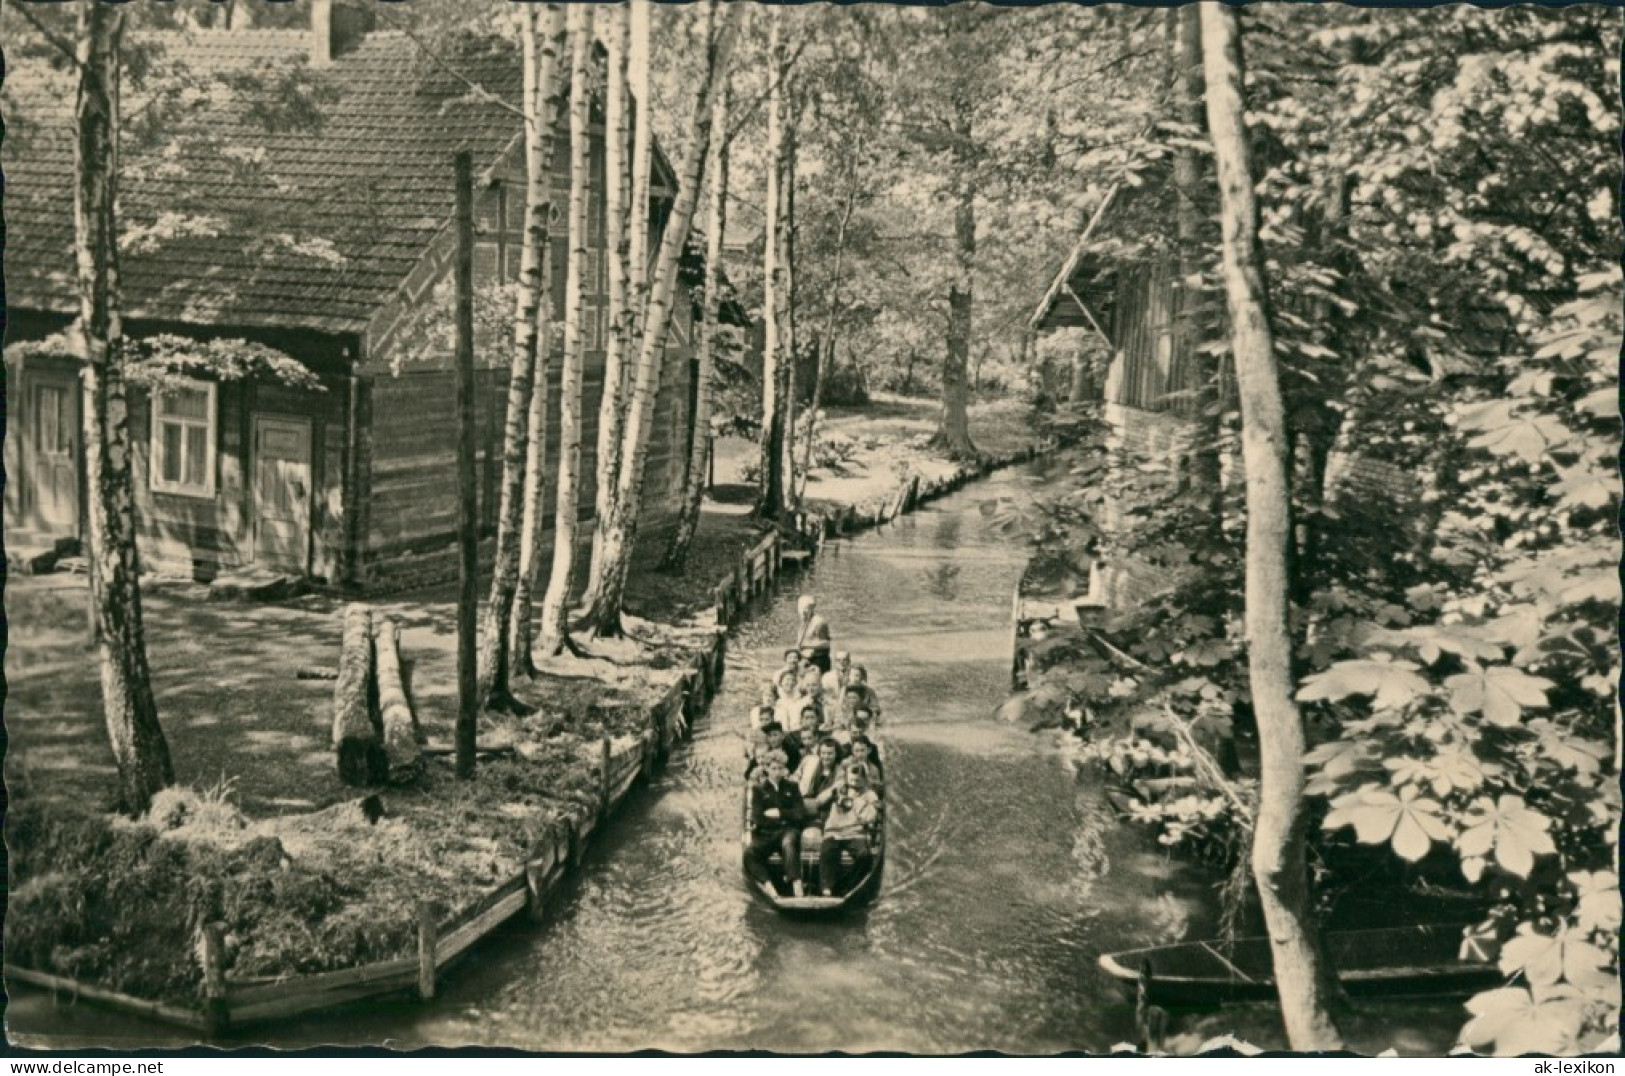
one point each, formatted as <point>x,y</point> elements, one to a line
<point>53,465</point>
<point>282,493</point>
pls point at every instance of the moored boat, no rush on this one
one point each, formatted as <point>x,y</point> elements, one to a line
<point>1421,960</point>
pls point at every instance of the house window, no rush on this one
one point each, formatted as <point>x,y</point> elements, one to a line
<point>183,439</point>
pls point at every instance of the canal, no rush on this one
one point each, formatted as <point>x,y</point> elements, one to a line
<point>1007,876</point>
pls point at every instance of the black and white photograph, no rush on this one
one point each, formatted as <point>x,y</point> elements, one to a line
<point>812,529</point>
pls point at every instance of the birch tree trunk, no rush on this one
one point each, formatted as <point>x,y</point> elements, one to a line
<point>1279,867</point>
<point>567,497</point>
<point>552,104</point>
<point>605,615</point>
<point>613,412</point>
<point>140,750</point>
<point>770,498</point>
<point>694,479</point>
<point>787,321</point>
<point>540,70</point>
<point>618,156</point>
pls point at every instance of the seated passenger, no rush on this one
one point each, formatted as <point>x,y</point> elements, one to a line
<point>853,810</point>
<point>819,775</point>
<point>865,755</point>
<point>777,814</point>
<point>852,698</point>
<point>851,726</point>
<point>806,737</point>
<point>786,684</point>
<point>860,677</point>
<point>835,679</point>
<point>762,713</point>
<point>772,740</point>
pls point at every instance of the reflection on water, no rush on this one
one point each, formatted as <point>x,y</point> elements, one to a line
<point>1005,878</point>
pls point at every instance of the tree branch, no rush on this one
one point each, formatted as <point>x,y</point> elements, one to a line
<point>54,39</point>
<point>743,116</point>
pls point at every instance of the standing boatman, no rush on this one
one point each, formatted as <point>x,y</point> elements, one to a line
<point>813,642</point>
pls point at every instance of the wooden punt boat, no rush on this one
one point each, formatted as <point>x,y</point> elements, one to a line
<point>776,894</point>
<point>1411,961</point>
<point>859,891</point>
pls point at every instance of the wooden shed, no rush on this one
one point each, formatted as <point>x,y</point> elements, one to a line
<point>331,241</point>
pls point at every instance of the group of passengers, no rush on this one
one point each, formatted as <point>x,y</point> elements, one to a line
<point>823,777</point>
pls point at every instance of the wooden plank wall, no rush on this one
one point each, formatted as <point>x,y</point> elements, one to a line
<point>1157,327</point>
<point>203,537</point>
<point>411,505</point>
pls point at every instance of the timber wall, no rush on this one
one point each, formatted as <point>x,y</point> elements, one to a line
<point>410,484</point>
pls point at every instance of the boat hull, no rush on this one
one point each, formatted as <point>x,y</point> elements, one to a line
<point>817,907</point>
<point>1416,961</point>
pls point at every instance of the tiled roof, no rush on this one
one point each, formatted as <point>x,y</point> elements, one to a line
<point>305,227</point>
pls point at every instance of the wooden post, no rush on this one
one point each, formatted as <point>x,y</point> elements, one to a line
<point>467,537</point>
<point>428,938</point>
<point>604,789</point>
<point>535,900</point>
<point>215,1012</point>
<point>536,872</point>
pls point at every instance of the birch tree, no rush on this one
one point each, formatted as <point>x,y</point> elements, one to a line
<point>688,517</point>
<point>604,616</point>
<point>541,61</point>
<point>139,748</point>
<point>551,109</point>
<point>1278,857</point>
<point>771,499</point>
<point>555,637</point>
<point>634,266</point>
<point>787,296</point>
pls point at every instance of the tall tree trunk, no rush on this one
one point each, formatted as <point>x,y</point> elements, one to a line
<point>552,95</point>
<point>770,497</point>
<point>694,479</point>
<point>1279,867</point>
<point>790,354</point>
<point>626,172</point>
<point>953,426</point>
<point>1185,62</point>
<point>826,353</point>
<point>540,73</point>
<point>468,702</point>
<point>139,749</point>
<point>567,497</point>
<point>604,617</point>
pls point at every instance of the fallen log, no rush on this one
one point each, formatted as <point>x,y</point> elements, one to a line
<point>356,730</point>
<point>316,672</point>
<point>402,733</point>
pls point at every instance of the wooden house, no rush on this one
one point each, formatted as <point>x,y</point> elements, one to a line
<point>329,238</point>
<point>1155,385</point>
<point>1162,385</point>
